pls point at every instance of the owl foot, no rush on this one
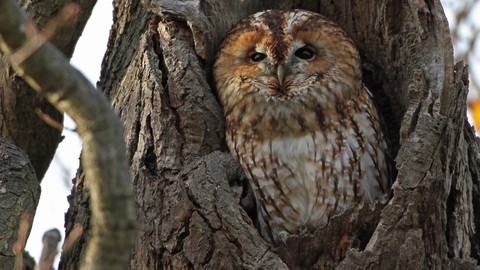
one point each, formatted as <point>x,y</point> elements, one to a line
<point>303,230</point>
<point>284,235</point>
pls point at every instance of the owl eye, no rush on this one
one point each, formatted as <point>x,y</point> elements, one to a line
<point>304,53</point>
<point>257,57</point>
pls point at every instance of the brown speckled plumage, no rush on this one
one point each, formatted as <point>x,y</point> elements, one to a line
<point>299,119</point>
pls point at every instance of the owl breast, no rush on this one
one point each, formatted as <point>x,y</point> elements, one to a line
<point>299,120</point>
<point>303,175</point>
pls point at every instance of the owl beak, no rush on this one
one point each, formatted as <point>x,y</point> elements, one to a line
<point>280,73</point>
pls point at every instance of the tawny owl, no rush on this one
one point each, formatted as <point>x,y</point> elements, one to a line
<point>299,120</point>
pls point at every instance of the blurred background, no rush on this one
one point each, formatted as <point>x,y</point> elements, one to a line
<point>464,20</point>
<point>57,183</point>
<point>463,17</point>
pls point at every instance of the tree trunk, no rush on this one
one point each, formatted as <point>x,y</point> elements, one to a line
<point>157,74</point>
<point>19,194</point>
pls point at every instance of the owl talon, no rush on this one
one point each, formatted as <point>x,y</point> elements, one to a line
<point>284,235</point>
<point>303,230</point>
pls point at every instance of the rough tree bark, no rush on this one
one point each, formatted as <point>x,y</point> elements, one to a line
<point>19,194</point>
<point>157,74</point>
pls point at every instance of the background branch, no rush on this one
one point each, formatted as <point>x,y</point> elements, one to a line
<point>104,154</point>
<point>19,123</point>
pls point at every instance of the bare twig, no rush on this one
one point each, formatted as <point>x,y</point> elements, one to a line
<point>72,237</point>
<point>35,39</point>
<point>47,119</point>
<point>19,245</point>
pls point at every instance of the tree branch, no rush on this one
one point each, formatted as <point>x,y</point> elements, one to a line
<point>104,153</point>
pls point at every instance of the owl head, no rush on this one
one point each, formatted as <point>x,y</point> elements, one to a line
<point>287,56</point>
